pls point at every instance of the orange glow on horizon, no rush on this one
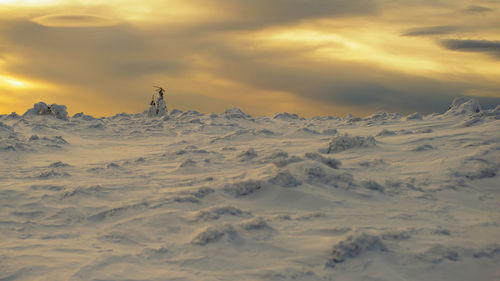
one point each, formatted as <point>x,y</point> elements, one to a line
<point>101,57</point>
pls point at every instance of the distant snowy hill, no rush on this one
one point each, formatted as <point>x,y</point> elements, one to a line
<point>190,196</point>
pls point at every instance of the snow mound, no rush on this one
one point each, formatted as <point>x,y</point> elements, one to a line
<point>247,155</point>
<point>243,188</point>
<point>439,253</point>
<point>277,155</point>
<point>354,246</point>
<point>41,108</point>
<point>397,235</point>
<point>84,117</point>
<point>473,121</point>
<point>4,128</point>
<point>489,252</point>
<point>479,170</point>
<point>495,112</point>
<point>380,117</point>
<point>285,179</point>
<point>59,164</point>
<point>345,142</point>
<point>255,224</point>
<point>264,132</point>
<point>120,211</point>
<point>372,185</point>
<point>52,174</point>
<point>188,163</point>
<point>286,116</point>
<point>17,142</point>
<point>463,105</point>
<point>201,192</point>
<point>235,113</point>
<point>213,234</point>
<point>308,131</point>
<point>228,232</point>
<point>329,132</point>
<point>413,116</point>
<point>83,191</point>
<point>424,147</point>
<point>281,158</point>
<point>385,133</point>
<point>65,217</point>
<point>214,213</point>
<point>317,174</point>
<point>191,115</point>
<point>330,162</point>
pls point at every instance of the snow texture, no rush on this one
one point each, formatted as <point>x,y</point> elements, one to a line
<point>354,246</point>
<point>330,162</point>
<point>345,142</point>
<point>228,196</point>
<point>213,234</point>
<point>285,179</point>
<point>41,108</point>
<point>463,105</point>
<point>243,188</point>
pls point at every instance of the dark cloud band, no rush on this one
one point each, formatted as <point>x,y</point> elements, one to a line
<point>430,30</point>
<point>482,46</point>
<point>477,10</point>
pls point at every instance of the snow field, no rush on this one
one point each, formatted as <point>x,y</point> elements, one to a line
<point>228,196</point>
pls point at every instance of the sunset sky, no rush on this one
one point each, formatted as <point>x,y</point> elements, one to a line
<point>312,57</point>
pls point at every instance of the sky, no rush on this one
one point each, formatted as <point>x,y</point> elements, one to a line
<point>311,57</point>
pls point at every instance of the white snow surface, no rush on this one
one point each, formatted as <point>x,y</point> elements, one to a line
<point>228,196</point>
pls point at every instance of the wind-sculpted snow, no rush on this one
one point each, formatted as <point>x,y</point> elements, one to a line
<point>285,179</point>
<point>229,232</point>
<point>345,142</point>
<point>330,162</point>
<point>228,196</point>
<point>236,113</point>
<point>5,129</point>
<point>281,158</point>
<point>478,168</point>
<point>41,108</point>
<point>214,233</point>
<point>15,141</point>
<point>214,213</point>
<point>243,188</point>
<point>464,106</point>
<point>354,246</point>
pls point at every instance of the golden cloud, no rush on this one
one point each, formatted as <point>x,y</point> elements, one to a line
<point>75,20</point>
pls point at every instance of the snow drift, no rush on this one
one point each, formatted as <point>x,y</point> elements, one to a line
<point>192,196</point>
